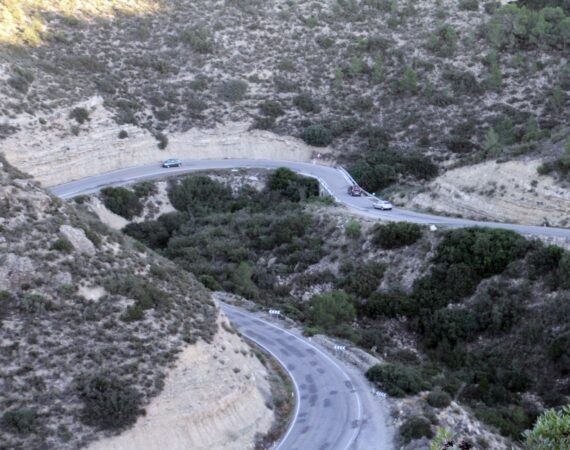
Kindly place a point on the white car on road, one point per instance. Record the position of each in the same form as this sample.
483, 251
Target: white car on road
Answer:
383, 205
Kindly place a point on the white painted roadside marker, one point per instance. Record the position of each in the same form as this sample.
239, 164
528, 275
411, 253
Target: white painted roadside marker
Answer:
340, 347
274, 312
380, 394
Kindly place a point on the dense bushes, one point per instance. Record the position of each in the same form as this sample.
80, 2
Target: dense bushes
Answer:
81, 115
62, 245
200, 195
396, 379
329, 311
444, 41
145, 295
380, 166
224, 237
438, 398
122, 201
22, 421
317, 135
414, 428
291, 186
516, 28
487, 251
306, 103
396, 234
551, 431
233, 90
362, 279
108, 403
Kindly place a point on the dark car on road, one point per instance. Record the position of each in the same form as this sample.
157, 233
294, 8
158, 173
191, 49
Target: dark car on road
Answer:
171, 163
355, 191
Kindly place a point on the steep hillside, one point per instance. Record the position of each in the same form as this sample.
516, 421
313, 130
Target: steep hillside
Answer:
471, 324
91, 324
390, 85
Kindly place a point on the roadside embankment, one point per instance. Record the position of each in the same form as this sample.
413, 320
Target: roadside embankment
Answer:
60, 150
215, 397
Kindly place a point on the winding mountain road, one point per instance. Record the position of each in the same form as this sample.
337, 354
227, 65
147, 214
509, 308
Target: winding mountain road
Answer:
336, 409
333, 180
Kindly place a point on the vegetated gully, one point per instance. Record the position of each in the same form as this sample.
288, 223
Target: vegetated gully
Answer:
335, 406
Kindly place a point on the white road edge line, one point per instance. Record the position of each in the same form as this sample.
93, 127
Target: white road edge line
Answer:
297, 392
331, 361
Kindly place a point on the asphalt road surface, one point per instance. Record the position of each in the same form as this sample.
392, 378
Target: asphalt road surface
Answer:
336, 409
331, 178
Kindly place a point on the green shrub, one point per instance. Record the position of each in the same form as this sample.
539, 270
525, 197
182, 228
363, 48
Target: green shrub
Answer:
162, 140
510, 421
122, 201
462, 82
488, 251
317, 135
363, 279
145, 189
242, 281
353, 229
271, 108
386, 304
22, 421
438, 398
397, 380
444, 41
469, 5
551, 431
198, 39
133, 313
152, 233
233, 90
32, 303
81, 115
330, 310
291, 186
108, 402
200, 195
306, 103
123, 134
92, 236
514, 28
450, 324
416, 427
62, 245
263, 123
210, 282
407, 82
21, 80
396, 234
559, 351
380, 166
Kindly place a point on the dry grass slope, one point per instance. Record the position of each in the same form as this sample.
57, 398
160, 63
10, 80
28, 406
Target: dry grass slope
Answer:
85, 315
23, 21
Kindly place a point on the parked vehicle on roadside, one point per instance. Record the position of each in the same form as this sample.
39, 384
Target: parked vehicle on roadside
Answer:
171, 163
355, 191
383, 205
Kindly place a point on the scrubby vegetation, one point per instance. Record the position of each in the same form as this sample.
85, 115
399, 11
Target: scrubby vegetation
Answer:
469, 305
88, 323
450, 84
121, 201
